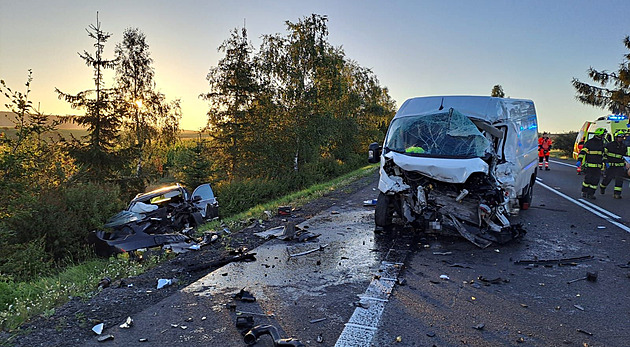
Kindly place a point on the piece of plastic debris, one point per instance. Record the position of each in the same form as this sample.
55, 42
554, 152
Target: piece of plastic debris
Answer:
371, 202
442, 253
579, 307
163, 282
143, 340
398, 338
195, 247
127, 324
104, 283
98, 328
320, 339
284, 210
204, 318
601, 227
105, 337
590, 276
584, 332
444, 277
431, 334
244, 295
401, 281
479, 326
317, 320
244, 322
183, 327
174, 325
524, 305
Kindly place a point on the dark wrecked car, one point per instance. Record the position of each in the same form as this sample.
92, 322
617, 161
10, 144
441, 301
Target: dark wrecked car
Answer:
458, 164
165, 216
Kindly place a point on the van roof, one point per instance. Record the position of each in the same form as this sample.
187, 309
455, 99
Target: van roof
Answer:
486, 108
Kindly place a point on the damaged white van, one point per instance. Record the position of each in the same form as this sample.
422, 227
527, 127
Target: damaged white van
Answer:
458, 164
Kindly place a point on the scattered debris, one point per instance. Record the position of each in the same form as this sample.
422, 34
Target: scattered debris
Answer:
255, 314
105, 338
590, 276
479, 326
104, 283
143, 340
284, 210
252, 336
398, 338
601, 227
127, 324
431, 334
371, 202
444, 277
223, 261
244, 295
561, 261
163, 282
401, 281
244, 322
320, 248
584, 332
442, 253
334, 212
320, 338
98, 328
579, 307
497, 280
317, 320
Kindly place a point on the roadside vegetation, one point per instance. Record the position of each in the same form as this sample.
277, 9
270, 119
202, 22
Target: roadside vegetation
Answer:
289, 115
20, 301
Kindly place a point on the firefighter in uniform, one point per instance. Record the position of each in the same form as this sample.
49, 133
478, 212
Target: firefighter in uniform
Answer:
544, 146
613, 156
591, 160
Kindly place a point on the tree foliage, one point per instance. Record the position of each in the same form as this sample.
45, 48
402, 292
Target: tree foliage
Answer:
612, 89
96, 155
497, 91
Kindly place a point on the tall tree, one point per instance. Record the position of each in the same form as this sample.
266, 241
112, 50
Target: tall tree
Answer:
140, 104
233, 87
97, 155
497, 91
613, 90
291, 65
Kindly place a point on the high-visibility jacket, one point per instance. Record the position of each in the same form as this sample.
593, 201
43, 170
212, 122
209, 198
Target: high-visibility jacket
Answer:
614, 152
592, 154
544, 146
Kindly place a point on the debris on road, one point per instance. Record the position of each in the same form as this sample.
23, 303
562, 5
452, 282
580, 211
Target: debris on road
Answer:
104, 283
105, 338
320, 248
244, 295
444, 277
284, 210
497, 280
313, 321
584, 332
371, 202
479, 326
252, 336
561, 261
442, 253
255, 314
164, 282
590, 276
244, 323
127, 324
579, 307
224, 261
98, 328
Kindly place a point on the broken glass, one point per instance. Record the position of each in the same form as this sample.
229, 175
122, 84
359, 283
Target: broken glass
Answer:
448, 134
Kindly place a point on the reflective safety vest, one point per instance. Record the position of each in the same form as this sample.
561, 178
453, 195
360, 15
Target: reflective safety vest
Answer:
544, 146
592, 154
614, 152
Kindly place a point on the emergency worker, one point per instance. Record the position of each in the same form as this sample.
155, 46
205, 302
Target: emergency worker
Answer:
615, 164
544, 146
591, 160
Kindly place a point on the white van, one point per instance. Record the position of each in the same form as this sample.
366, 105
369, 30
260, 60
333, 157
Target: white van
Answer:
461, 163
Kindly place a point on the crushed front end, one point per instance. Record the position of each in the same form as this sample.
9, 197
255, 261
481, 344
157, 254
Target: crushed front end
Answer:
438, 175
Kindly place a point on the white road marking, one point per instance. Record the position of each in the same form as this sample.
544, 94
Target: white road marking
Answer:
600, 212
363, 325
561, 163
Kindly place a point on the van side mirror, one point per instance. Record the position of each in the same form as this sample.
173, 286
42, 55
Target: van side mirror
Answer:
374, 153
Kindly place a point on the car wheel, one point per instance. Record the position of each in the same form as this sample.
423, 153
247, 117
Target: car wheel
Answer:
383, 211
528, 193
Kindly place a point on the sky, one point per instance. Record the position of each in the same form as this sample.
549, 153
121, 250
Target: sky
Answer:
531, 48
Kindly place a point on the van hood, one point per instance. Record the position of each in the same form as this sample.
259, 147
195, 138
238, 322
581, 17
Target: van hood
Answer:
441, 169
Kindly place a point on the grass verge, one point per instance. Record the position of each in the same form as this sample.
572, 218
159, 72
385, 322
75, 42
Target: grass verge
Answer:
24, 300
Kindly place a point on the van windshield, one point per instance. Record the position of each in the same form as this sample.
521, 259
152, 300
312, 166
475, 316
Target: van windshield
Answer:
447, 134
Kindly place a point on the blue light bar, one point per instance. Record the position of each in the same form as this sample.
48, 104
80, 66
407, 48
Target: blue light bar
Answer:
617, 117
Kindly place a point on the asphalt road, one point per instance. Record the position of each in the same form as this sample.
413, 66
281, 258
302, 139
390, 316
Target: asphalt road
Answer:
350, 287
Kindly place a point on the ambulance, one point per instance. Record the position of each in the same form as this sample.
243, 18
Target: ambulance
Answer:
612, 123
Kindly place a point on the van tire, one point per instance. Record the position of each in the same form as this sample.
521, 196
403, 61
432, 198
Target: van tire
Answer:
528, 192
383, 211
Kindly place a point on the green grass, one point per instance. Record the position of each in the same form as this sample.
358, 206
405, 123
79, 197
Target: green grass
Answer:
23, 300
19, 301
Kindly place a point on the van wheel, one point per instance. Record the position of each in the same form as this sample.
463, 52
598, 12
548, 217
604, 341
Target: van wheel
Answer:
528, 192
382, 211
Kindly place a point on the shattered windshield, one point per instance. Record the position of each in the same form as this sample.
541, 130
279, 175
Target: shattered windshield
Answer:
446, 134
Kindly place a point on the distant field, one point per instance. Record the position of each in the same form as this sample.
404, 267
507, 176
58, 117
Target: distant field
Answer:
66, 133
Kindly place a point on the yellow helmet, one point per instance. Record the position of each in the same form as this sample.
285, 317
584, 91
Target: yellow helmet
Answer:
620, 133
599, 131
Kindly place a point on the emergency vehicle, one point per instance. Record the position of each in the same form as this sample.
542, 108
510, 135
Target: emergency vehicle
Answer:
612, 123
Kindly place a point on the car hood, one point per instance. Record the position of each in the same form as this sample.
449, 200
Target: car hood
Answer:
441, 169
